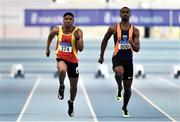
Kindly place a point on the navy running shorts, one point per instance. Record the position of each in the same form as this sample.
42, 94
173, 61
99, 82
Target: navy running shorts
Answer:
126, 64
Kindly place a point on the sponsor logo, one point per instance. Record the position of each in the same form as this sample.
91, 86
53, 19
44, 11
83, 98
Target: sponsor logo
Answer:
130, 77
77, 70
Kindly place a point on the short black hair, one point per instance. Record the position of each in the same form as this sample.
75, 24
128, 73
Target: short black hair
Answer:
68, 13
125, 8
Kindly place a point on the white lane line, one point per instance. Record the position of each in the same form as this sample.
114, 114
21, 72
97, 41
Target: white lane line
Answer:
88, 100
28, 99
153, 104
167, 82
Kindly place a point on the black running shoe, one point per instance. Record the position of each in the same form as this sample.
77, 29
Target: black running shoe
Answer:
61, 92
118, 95
70, 108
125, 112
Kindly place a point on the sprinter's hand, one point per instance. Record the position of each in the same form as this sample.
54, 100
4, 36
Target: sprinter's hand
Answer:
130, 42
101, 59
47, 52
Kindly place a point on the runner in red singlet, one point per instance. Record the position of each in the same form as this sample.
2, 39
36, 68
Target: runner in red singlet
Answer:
69, 42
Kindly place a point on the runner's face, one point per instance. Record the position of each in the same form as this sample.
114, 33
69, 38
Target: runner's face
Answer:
125, 14
68, 21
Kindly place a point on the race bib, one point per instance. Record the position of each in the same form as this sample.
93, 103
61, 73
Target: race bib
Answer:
124, 45
66, 47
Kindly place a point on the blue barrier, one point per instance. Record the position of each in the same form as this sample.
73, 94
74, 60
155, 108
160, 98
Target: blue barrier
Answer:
91, 17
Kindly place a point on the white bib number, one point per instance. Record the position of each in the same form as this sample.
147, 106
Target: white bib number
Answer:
124, 46
66, 48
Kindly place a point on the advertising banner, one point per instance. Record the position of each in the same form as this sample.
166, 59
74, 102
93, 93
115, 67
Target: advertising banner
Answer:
92, 17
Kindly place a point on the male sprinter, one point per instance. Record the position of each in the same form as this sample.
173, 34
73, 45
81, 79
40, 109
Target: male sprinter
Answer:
126, 40
70, 40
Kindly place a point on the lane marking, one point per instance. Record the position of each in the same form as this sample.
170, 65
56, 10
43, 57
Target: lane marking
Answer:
88, 99
167, 81
28, 99
153, 104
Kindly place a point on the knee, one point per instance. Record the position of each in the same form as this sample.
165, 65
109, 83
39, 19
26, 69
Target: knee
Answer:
119, 71
61, 70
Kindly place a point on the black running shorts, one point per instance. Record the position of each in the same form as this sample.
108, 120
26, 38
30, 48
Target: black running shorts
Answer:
126, 64
72, 68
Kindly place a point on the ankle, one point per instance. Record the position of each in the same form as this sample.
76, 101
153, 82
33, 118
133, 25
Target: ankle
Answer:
72, 101
124, 108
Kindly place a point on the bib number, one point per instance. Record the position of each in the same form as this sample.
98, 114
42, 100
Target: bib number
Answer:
66, 47
124, 46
